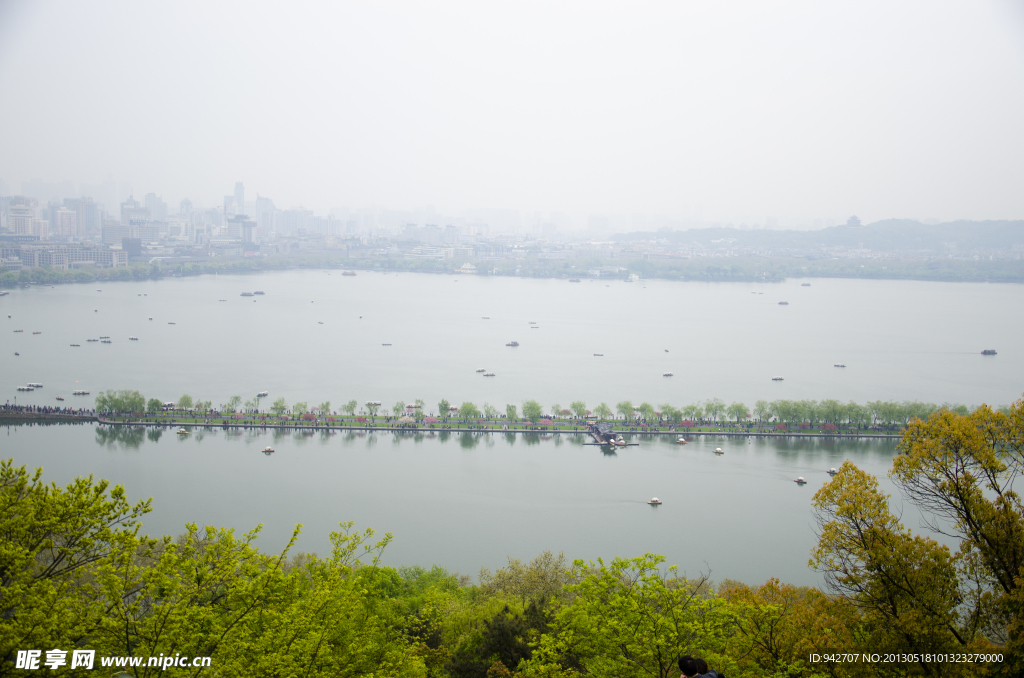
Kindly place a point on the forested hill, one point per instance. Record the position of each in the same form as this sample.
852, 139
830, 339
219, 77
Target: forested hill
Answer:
887, 235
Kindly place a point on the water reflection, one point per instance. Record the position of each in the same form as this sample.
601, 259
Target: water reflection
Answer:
154, 434
127, 437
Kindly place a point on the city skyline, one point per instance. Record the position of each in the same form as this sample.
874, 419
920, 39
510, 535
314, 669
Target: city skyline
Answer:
722, 113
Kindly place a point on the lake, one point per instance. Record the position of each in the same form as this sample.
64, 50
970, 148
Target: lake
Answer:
899, 340
469, 501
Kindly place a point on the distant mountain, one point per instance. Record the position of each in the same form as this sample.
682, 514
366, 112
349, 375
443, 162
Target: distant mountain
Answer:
887, 235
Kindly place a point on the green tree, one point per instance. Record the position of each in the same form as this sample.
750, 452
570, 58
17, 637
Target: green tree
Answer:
672, 414
300, 408
469, 411
56, 543
714, 408
625, 410
398, 408
153, 405
510, 412
325, 408
371, 407
349, 408
738, 411
279, 407
203, 406
532, 411
185, 402
233, 403
490, 412
629, 619
579, 409
603, 412
693, 412
647, 411
444, 409
905, 586
762, 410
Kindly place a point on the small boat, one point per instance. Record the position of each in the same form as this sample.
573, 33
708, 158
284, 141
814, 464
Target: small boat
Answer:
680, 440
37, 333
259, 293
482, 369
16, 331
34, 384
151, 318
262, 394
783, 303
76, 344
168, 323
535, 327
25, 388
486, 317
60, 399
805, 284
79, 393
182, 432
654, 501
489, 374
106, 341
599, 355
988, 351
667, 374
832, 471
666, 350
246, 294
133, 338
105, 336
217, 300
800, 480
319, 322
777, 379
268, 450
532, 322
88, 340
574, 280
348, 272
16, 353
385, 344
718, 450
512, 343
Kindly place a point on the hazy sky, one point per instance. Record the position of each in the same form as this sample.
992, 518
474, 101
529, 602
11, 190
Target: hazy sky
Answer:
883, 109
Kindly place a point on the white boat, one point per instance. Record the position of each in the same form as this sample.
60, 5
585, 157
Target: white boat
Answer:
35, 384
667, 374
718, 450
268, 450
182, 432
680, 440
25, 388
800, 480
832, 471
654, 501
262, 394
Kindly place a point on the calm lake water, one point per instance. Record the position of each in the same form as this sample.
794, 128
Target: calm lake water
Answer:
900, 340
469, 501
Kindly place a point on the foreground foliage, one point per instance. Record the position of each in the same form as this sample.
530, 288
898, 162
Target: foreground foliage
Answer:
75, 572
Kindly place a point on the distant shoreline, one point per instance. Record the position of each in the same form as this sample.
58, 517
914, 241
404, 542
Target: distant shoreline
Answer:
699, 269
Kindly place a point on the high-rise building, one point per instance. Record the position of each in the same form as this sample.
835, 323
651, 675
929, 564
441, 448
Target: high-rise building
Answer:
185, 208
133, 214
229, 206
20, 215
156, 206
239, 198
64, 223
87, 215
